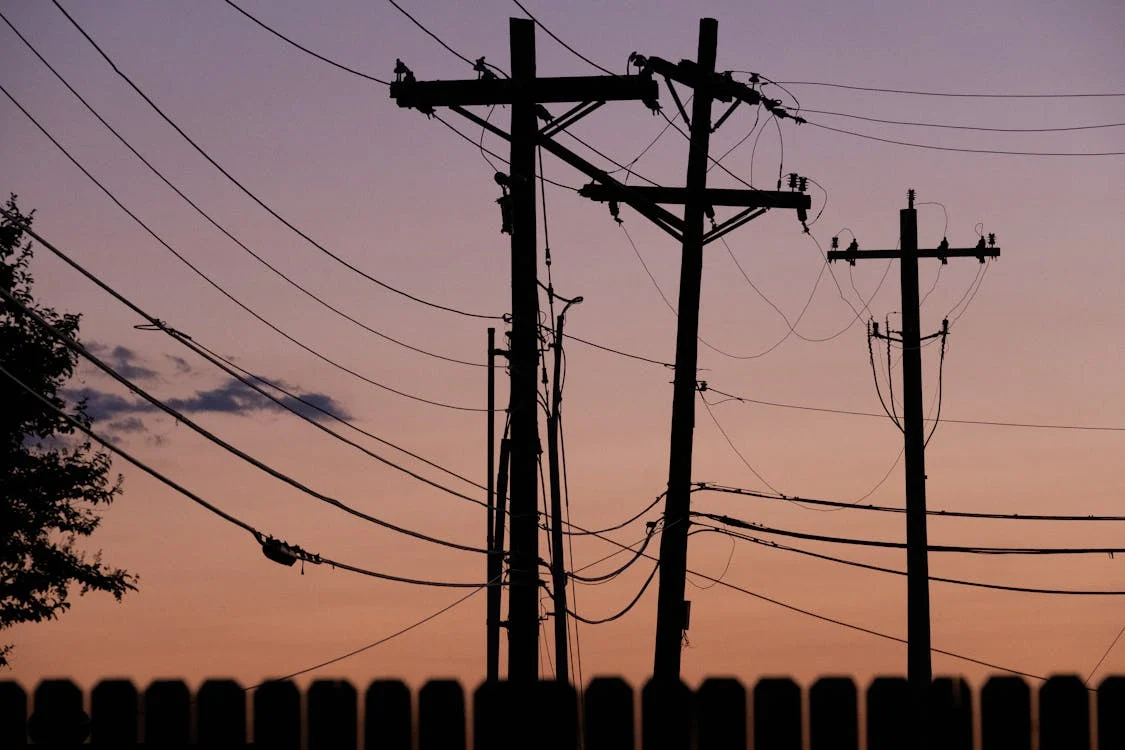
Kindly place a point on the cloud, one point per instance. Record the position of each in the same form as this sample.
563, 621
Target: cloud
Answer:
125, 360
124, 415
181, 364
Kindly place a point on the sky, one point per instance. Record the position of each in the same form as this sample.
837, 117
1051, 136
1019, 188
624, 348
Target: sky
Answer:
1036, 339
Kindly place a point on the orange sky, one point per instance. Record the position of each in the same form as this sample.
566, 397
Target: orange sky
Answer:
407, 201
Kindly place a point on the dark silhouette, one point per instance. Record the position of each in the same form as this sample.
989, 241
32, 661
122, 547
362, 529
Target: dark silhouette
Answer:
50, 481
722, 714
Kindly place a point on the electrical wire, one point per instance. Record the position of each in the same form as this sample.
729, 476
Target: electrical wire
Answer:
968, 127
889, 411
932, 147
221, 228
621, 613
946, 420
179, 256
248, 379
373, 644
834, 620
733, 447
306, 50
712, 487
1097, 666
1067, 95
604, 577
252, 195
431, 34
880, 569
260, 536
566, 46
181, 418
979, 550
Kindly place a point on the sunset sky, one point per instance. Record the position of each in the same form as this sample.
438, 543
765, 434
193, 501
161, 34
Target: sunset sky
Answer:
407, 201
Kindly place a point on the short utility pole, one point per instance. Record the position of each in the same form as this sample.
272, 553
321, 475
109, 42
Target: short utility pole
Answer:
919, 673
699, 203
526, 94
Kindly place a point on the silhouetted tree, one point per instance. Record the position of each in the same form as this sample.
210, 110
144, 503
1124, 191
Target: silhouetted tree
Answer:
52, 480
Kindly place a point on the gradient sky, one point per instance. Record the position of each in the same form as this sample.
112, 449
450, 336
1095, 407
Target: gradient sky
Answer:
406, 200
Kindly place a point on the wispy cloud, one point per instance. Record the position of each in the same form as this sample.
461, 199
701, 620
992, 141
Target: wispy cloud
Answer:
124, 415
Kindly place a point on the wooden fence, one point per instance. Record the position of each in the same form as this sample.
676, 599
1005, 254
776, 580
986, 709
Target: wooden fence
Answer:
721, 715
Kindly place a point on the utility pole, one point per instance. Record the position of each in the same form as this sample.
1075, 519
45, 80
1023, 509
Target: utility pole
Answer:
699, 203
919, 673
493, 622
525, 92
558, 567
494, 562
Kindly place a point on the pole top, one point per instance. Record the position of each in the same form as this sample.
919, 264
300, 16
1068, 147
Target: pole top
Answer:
910, 198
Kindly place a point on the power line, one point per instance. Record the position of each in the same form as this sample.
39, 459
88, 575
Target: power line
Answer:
221, 228
880, 569
710, 487
946, 420
566, 46
832, 620
977, 550
960, 149
1094, 671
219, 287
247, 377
1067, 95
253, 196
733, 447
81, 350
260, 536
306, 50
967, 127
430, 34
373, 644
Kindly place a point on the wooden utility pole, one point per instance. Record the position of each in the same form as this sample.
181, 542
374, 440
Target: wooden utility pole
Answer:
919, 673
698, 202
525, 93
671, 609
558, 567
494, 563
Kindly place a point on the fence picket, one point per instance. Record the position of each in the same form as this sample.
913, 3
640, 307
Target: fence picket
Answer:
720, 714
777, 714
608, 710
833, 714
58, 717
441, 716
277, 715
387, 723
887, 710
114, 714
1064, 714
13, 714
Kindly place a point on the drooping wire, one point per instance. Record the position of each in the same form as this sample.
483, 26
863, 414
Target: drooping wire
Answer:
894, 571
733, 447
373, 644
181, 418
889, 411
250, 194
219, 287
940, 382
319, 300
259, 536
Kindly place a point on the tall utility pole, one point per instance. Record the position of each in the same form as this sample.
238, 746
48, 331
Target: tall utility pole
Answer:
525, 93
671, 609
919, 674
698, 202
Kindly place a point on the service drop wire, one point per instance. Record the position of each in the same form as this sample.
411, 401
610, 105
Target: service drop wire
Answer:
81, 350
259, 536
